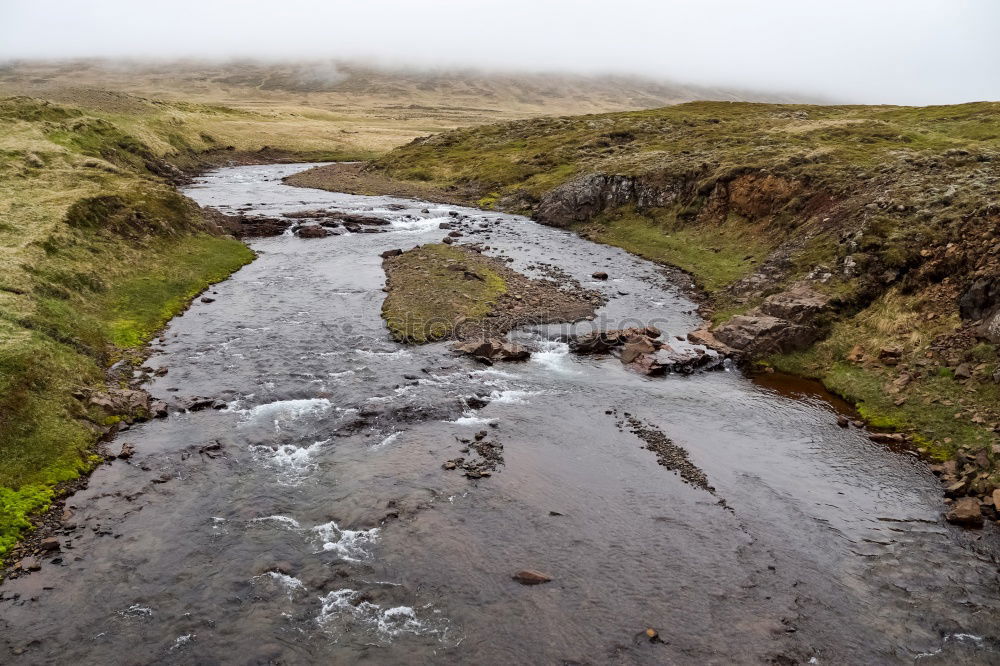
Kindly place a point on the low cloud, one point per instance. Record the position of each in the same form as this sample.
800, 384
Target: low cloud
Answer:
884, 51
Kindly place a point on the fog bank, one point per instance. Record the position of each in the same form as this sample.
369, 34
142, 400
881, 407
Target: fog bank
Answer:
887, 51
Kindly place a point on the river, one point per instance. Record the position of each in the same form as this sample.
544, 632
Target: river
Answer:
311, 521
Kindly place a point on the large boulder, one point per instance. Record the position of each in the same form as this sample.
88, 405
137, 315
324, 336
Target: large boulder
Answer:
799, 305
966, 512
784, 322
758, 335
981, 299
490, 350
637, 346
123, 401
991, 328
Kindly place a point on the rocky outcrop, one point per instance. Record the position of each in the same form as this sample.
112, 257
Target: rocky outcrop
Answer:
981, 302
991, 328
784, 322
981, 299
751, 195
581, 199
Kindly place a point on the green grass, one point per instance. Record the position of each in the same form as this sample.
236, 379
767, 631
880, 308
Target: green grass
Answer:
99, 254
428, 296
714, 254
141, 305
932, 398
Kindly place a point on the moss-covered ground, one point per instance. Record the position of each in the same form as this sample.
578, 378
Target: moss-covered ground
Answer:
435, 287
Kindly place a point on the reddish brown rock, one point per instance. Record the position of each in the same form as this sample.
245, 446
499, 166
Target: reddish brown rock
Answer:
531, 577
966, 512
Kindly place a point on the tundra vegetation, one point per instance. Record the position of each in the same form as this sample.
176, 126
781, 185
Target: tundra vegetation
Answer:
884, 217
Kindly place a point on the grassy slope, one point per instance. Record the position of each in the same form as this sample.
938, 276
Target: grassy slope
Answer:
99, 252
786, 192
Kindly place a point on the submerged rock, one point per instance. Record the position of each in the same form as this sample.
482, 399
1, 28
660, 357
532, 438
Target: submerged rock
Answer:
531, 577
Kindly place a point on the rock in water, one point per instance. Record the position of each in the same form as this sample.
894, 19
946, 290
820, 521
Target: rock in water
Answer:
312, 232
493, 350
966, 512
636, 347
531, 577
600, 275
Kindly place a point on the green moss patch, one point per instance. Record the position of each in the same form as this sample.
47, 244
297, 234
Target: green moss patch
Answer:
715, 254
434, 288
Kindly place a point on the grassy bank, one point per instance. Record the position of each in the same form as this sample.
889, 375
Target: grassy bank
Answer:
99, 252
886, 211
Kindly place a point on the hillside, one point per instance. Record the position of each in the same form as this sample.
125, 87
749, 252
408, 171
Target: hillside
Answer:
852, 244
439, 97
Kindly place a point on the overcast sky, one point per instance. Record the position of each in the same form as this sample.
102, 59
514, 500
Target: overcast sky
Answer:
888, 51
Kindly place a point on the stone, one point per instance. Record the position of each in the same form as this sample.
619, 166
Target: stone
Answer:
531, 577
158, 409
799, 305
599, 275
963, 371
648, 365
30, 564
635, 348
966, 512
843, 421
890, 355
312, 231
391, 253
50, 544
128, 450
856, 355
887, 437
493, 350
122, 401
196, 403
764, 334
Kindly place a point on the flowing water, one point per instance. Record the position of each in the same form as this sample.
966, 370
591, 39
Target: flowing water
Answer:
311, 521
